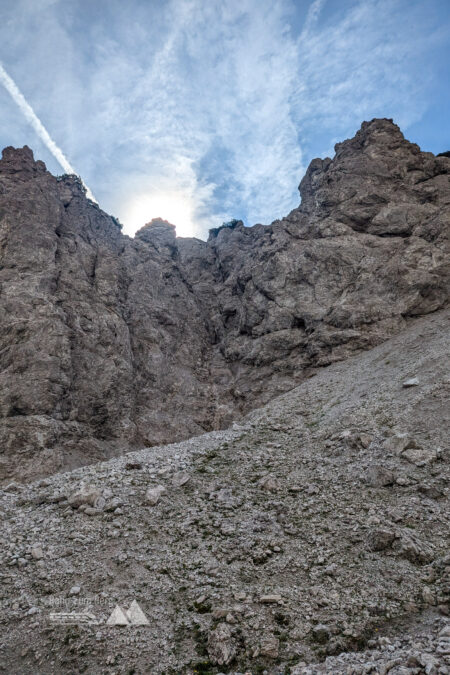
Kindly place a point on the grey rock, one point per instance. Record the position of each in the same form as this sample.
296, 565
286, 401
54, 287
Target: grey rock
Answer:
379, 476
413, 549
270, 646
221, 645
138, 342
321, 633
37, 553
270, 598
153, 495
411, 382
420, 456
87, 495
399, 442
180, 478
269, 483
381, 539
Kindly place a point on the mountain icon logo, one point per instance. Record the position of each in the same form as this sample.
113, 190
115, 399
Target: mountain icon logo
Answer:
134, 616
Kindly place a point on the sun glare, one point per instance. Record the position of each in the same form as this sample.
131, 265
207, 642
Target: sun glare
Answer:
172, 206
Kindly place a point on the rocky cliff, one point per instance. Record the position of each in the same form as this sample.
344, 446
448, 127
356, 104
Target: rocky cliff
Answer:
109, 343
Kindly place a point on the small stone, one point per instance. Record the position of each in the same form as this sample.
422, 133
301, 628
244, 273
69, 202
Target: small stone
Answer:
200, 600
85, 495
321, 633
269, 647
100, 503
152, 496
12, 487
410, 547
219, 613
113, 504
429, 663
386, 667
240, 597
365, 440
398, 442
133, 465
379, 476
428, 596
37, 553
420, 456
373, 520
430, 491
181, 478
268, 599
221, 647
75, 590
411, 382
227, 529
331, 570
411, 607
269, 483
381, 539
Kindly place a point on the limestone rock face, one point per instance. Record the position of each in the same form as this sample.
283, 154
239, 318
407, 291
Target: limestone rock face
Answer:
109, 343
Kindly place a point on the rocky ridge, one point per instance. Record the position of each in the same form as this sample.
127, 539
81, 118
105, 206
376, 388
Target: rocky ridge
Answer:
109, 343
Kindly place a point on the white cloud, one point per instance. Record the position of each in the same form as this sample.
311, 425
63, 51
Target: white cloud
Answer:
312, 17
361, 66
214, 103
216, 91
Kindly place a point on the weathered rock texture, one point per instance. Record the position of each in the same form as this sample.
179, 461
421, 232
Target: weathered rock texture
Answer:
109, 343
286, 544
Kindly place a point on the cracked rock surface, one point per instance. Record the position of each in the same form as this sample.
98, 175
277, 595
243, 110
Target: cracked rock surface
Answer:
109, 344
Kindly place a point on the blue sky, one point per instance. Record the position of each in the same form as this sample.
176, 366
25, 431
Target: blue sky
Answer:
202, 111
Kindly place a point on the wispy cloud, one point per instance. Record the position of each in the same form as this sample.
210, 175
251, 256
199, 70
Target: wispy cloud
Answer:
215, 99
364, 63
311, 18
215, 106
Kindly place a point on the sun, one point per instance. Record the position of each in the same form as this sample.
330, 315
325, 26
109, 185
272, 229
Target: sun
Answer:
173, 206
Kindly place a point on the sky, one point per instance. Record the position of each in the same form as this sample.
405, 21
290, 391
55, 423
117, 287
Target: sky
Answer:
200, 111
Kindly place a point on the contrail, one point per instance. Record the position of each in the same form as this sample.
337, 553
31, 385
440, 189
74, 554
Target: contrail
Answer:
37, 125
